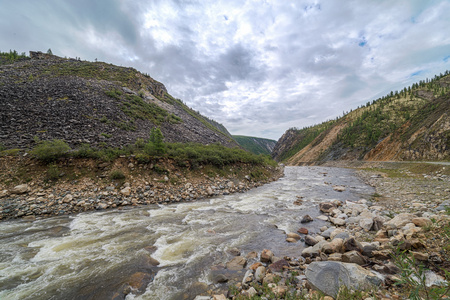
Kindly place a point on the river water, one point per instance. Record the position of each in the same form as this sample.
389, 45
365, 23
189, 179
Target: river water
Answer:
93, 255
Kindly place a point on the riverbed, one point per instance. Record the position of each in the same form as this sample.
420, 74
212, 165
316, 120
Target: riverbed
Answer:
98, 255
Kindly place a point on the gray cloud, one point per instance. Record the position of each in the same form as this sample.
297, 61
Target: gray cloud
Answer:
257, 67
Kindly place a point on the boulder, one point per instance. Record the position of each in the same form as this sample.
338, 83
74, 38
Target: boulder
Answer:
351, 244
310, 241
19, 189
266, 256
237, 263
353, 257
334, 246
67, 198
338, 221
278, 266
326, 207
421, 222
126, 191
260, 273
366, 224
329, 276
400, 220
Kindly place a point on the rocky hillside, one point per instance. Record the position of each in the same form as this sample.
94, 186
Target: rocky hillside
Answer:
46, 97
411, 124
255, 145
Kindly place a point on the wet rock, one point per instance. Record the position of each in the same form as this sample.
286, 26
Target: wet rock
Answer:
310, 241
326, 207
234, 251
266, 256
339, 188
306, 219
329, 276
251, 255
237, 263
293, 235
139, 281
255, 266
302, 230
279, 265
19, 189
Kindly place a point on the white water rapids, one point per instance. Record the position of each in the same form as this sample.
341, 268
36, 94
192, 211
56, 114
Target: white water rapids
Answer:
91, 255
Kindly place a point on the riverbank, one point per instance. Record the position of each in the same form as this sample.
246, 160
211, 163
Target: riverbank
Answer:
390, 246
29, 189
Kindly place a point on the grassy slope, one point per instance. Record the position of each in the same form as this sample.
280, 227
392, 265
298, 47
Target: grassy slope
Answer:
366, 126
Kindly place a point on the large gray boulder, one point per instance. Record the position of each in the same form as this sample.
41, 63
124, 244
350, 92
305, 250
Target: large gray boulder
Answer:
329, 276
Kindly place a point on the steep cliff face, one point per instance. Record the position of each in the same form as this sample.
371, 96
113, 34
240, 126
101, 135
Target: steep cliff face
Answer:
93, 102
255, 145
411, 125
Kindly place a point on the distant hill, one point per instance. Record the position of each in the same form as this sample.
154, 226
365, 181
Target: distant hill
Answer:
411, 124
45, 97
255, 145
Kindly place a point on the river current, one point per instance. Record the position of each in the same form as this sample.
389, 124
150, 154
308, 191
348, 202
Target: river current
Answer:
92, 255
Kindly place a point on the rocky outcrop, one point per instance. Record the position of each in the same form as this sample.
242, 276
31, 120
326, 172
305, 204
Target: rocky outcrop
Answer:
48, 97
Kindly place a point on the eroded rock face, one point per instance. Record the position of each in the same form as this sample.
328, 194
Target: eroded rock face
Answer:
329, 276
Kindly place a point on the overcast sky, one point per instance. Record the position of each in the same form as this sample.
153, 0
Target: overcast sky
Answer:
258, 67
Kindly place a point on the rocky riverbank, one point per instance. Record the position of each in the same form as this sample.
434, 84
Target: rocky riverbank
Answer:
83, 185
370, 249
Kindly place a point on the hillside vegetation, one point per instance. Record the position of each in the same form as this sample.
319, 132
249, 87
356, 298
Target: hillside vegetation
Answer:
45, 97
409, 124
255, 145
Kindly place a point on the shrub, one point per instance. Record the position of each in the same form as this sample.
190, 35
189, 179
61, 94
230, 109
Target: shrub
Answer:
48, 151
117, 175
85, 151
53, 172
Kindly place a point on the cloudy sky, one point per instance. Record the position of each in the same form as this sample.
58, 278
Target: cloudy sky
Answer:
258, 67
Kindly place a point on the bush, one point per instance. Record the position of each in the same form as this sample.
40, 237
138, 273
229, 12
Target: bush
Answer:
85, 151
48, 151
53, 173
117, 175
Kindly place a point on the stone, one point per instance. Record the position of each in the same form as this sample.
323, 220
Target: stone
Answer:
67, 198
377, 223
219, 297
278, 266
126, 191
310, 241
306, 219
353, 257
420, 256
326, 207
368, 248
266, 256
19, 189
260, 272
352, 244
421, 222
255, 266
251, 255
334, 246
237, 263
251, 292
338, 221
234, 251
366, 224
329, 276
248, 277
291, 240
339, 188
327, 233
4, 193
322, 218
293, 235
400, 220
335, 257
303, 230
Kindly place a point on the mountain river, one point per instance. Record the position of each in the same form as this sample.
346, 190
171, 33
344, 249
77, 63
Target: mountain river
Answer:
93, 255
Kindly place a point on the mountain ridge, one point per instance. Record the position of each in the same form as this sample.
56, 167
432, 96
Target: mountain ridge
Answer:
255, 145
410, 124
